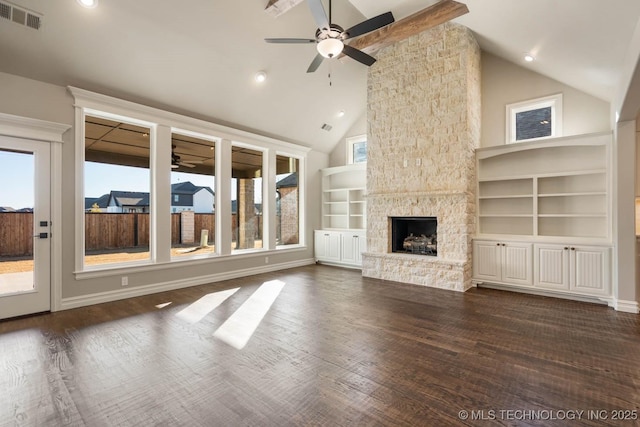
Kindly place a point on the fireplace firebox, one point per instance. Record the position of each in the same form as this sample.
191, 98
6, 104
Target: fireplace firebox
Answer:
414, 235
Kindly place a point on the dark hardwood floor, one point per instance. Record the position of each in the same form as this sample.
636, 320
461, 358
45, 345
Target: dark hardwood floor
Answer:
334, 349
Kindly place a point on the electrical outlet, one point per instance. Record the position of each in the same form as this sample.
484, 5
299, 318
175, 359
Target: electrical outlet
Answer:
405, 163
266, 260
125, 280
418, 162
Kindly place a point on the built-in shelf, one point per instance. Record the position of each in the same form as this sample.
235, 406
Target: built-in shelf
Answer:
545, 189
343, 197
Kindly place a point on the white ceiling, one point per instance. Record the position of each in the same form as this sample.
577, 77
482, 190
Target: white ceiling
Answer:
199, 57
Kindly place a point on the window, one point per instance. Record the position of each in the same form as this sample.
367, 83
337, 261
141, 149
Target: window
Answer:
535, 119
246, 198
116, 191
357, 149
146, 189
287, 201
192, 187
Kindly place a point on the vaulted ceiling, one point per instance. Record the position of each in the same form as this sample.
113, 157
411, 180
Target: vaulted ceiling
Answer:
199, 57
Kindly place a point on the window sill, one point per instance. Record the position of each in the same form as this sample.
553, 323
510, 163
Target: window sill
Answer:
137, 267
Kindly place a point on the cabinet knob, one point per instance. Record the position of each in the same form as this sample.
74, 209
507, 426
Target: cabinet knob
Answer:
497, 244
573, 249
566, 248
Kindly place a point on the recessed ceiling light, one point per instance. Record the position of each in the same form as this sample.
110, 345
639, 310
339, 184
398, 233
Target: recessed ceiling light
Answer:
529, 58
260, 76
341, 113
90, 4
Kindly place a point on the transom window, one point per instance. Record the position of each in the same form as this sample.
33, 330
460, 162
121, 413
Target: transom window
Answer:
534, 119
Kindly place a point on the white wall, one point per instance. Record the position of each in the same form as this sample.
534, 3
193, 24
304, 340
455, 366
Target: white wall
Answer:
504, 82
338, 156
203, 202
33, 99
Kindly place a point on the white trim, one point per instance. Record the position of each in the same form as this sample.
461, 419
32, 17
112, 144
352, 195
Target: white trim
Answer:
553, 101
24, 127
351, 141
102, 297
625, 306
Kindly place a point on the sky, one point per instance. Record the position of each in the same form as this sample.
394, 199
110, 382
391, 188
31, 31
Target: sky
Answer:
17, 176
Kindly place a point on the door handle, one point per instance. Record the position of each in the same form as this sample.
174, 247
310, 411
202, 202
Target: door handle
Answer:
42, 235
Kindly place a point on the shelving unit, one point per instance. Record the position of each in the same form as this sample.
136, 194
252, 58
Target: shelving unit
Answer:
545, 207
546, 189
343, 197
342, 238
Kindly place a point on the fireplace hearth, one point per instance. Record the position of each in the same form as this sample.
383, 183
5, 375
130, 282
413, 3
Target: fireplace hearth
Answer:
414, 235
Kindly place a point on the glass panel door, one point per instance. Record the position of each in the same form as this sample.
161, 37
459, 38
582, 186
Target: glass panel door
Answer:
24, 227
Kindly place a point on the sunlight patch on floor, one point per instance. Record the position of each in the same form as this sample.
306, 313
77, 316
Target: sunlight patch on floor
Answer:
163, 305
238, 329
205, 305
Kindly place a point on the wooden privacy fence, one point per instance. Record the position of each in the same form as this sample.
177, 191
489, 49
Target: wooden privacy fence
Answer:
16, 234
102, 231
115, 230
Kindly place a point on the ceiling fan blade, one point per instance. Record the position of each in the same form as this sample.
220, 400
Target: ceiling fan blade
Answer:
370, 25
315, 63
319, 15
187, 165
358, 55
284, 40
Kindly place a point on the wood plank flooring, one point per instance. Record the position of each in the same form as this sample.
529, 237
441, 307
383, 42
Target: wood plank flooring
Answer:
334, 349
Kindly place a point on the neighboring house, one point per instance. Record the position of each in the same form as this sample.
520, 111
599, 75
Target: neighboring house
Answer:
185, 196
6, 209
128, 201
96, 204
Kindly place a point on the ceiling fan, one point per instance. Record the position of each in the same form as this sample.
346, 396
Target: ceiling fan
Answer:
330, 37
176, 161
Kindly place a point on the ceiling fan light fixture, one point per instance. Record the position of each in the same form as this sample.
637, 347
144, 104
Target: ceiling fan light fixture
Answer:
330, 47
529, 58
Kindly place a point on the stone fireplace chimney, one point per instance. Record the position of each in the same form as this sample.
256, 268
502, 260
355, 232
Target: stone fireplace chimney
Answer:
424, 126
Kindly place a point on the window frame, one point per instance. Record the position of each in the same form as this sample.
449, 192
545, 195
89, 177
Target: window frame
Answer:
162, 124
350, 143
553, 101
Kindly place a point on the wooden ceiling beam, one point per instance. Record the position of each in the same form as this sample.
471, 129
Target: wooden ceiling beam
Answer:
420, 21
276, 8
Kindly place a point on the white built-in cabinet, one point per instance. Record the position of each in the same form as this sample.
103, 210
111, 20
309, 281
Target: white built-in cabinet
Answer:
509, 262
342, 238
544, 215
573, 268
340, 247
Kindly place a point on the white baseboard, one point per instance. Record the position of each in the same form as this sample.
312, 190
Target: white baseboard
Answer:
102, 297
625, 306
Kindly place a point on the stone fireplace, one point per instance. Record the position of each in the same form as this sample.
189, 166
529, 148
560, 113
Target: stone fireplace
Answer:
424, 125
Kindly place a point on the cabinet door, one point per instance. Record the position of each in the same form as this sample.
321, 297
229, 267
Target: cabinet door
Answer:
349, 247
362, 247
327, 245
352, 247
517, 263
590, 270
552, 266
486, 260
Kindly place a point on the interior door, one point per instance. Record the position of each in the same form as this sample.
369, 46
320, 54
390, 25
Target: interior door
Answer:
25, 250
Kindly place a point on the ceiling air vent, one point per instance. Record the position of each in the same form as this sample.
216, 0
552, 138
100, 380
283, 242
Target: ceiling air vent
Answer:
20, 15
326, 127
